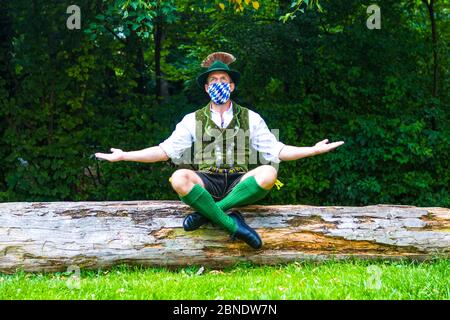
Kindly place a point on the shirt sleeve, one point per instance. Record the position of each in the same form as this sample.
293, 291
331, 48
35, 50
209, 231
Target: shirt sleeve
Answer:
181, 138
264, 140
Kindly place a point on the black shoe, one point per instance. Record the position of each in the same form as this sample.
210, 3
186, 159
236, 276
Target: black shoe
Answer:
194, 221
245, 233
236, 214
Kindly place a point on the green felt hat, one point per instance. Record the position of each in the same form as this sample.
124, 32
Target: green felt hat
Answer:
218, 65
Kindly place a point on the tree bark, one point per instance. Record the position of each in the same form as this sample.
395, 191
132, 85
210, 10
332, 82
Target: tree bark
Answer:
158, 34
136, 52
161, 90
6, 48
140, 68
51, 236
434, 39
10, 85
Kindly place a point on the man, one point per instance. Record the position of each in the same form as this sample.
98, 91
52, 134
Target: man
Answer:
223, 133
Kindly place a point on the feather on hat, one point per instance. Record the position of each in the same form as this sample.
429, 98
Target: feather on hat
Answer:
218, 61
225, 57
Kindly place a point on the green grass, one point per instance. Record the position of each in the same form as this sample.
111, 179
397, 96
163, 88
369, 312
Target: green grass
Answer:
355, 279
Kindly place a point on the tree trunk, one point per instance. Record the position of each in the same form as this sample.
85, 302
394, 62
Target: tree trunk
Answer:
140, 68
136, 52
430, 6
7, 90
162, 90
51, 236
6, 48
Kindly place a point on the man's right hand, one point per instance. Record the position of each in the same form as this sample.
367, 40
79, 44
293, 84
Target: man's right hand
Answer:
116, 155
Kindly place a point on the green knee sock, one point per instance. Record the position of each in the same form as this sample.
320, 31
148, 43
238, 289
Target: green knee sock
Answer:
200, 199
245, 192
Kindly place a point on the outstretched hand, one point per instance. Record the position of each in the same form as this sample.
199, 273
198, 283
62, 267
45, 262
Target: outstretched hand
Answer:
323, 146
116, 155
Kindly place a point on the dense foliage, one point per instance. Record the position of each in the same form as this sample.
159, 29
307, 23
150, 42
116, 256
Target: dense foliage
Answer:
127, 76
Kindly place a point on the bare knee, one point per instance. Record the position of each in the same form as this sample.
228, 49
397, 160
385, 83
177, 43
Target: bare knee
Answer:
267, 176
183, 180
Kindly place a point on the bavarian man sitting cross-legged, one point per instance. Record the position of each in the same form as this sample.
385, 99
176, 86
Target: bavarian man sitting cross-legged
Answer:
222, 181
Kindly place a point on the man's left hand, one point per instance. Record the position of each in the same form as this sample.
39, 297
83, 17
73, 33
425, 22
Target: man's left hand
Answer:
323, 146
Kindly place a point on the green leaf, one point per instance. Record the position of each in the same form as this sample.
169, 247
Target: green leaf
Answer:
296, 3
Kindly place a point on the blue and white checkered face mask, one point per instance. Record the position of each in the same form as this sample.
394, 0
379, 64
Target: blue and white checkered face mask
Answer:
219, 92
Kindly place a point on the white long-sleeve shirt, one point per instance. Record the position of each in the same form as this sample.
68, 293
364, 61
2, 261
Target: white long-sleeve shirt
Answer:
261, 138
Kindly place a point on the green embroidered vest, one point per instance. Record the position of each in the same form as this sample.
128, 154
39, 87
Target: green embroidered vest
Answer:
222, 148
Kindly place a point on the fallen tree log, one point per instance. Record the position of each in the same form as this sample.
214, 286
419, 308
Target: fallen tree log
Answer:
51, 236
